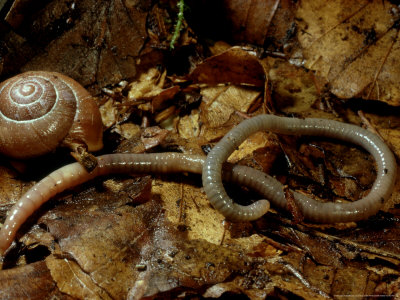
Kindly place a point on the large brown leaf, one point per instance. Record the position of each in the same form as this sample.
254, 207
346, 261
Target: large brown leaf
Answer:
354, 45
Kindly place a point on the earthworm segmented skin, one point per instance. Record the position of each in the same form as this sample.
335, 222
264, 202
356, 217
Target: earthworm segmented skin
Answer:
311, 209
74, 174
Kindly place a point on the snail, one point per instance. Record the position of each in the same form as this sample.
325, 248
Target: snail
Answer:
42, 110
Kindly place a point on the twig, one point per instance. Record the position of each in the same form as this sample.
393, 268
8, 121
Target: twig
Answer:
178, 25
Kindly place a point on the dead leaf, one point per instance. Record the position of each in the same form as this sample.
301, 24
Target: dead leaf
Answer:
34, 281
354, 46
221, 102
235, 66
251, 19
73, 281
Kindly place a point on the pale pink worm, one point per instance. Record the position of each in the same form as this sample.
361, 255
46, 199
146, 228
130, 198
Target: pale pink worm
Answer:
74, 174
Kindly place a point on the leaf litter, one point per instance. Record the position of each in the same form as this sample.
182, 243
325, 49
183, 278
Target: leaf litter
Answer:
158, 237
354, 47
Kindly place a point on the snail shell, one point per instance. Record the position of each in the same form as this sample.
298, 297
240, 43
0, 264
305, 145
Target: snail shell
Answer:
41, 110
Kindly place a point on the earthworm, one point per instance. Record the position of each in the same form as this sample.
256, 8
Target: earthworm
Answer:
312, 210
74, 174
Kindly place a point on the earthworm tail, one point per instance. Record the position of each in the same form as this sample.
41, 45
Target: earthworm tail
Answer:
311, 209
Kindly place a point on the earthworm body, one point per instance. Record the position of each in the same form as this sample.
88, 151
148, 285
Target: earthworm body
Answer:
212, 167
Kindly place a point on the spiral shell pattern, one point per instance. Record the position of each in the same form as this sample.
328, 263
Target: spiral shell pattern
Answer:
37, 110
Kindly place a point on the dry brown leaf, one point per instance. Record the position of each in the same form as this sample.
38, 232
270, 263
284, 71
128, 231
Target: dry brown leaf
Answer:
255, 142
32, 281
354, 45
149, 92
251, 19
189, 126
148, 85
221, 102
235, 66
73, 281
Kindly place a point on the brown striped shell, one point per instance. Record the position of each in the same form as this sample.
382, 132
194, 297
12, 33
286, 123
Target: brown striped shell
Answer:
40, 110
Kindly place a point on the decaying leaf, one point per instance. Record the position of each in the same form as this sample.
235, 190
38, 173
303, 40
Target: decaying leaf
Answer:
354, 45
254, 16
34, 282
232, 66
